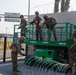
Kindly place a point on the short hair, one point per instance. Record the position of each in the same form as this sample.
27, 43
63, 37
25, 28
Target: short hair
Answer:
36, 12
45, 16
21, 16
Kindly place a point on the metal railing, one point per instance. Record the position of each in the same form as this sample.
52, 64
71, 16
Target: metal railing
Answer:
63, 32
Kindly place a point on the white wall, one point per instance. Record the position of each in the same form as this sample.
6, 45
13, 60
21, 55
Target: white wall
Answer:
60, 17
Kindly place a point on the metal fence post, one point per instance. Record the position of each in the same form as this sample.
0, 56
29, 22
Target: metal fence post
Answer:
4, 53
26, 49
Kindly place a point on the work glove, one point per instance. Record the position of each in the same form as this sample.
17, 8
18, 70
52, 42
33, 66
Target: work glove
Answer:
22, 49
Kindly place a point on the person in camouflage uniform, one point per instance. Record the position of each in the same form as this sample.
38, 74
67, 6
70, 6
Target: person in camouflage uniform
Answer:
72, 61
50, 22
22, 26
16, 48
37, 20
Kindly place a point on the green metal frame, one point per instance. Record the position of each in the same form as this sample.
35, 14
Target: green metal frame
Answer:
46, 53
65, 29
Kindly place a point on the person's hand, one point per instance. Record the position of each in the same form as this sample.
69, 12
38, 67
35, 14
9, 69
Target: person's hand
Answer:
19, 27
22, 49
24, 54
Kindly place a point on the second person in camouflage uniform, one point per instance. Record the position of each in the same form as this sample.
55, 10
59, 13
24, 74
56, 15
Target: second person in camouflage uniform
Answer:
37, 20
72, 61
50, 22
16, 48
22, 26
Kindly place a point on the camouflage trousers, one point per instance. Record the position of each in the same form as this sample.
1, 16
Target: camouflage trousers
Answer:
74, 69
14, 60
23, 31
39, 34
54, 33
72, 61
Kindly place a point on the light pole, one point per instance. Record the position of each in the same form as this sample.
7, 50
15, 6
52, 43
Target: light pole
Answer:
6, 31
28, 8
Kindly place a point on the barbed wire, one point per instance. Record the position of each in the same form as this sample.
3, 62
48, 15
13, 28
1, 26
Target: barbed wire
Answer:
48, 8
44, 8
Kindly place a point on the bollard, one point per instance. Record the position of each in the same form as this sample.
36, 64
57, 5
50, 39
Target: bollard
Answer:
26, 49
4, 55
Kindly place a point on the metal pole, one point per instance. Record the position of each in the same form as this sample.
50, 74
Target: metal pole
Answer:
28, 8
28, 19
4, 55
26, 49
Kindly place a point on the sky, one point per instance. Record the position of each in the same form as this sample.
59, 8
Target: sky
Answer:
21, 6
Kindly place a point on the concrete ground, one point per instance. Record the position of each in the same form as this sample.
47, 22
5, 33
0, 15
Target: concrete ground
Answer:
6, 69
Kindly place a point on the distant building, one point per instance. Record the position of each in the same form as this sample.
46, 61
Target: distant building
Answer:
7, 35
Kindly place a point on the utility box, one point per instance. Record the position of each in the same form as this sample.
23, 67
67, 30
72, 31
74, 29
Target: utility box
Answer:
46, 53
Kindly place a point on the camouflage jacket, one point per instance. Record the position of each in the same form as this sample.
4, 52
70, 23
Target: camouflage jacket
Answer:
16, 47
73, 49
36, 20
50, 22
23, 23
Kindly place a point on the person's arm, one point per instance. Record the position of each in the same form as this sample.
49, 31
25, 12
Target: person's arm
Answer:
19, 50
44, 23
22, 23
40, 19
72, 50
19, 26
32, 21
22, 49
13, 44
54, 20
24, 20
